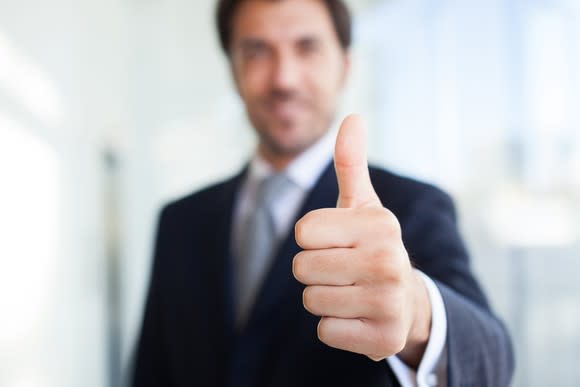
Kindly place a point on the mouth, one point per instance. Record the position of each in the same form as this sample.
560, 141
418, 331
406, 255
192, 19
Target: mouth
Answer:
286, 110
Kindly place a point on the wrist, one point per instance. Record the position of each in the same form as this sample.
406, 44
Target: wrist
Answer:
420, 329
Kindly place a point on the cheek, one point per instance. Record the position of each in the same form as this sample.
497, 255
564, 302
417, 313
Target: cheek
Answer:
253, 81
327, 82
324, 95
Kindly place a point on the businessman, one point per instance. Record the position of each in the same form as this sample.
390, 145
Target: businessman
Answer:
308, 268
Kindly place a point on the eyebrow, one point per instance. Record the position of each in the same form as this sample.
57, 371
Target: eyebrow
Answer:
310, 39
252, 42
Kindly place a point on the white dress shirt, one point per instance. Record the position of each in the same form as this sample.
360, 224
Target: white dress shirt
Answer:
304, 172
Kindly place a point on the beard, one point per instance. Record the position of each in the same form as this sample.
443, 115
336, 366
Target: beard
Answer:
288, 122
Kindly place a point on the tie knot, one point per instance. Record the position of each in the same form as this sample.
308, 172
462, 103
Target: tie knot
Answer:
271, 187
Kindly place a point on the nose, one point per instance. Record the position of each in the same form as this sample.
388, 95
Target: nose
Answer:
286, 72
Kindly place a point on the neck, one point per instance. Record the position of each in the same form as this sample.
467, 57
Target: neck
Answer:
278, 161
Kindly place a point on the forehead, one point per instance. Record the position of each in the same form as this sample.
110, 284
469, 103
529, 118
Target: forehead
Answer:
282, 20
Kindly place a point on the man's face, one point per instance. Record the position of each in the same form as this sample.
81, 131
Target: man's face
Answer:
289, 69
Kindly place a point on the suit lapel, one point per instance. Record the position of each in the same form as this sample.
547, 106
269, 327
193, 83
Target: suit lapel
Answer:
280, 282
220, 272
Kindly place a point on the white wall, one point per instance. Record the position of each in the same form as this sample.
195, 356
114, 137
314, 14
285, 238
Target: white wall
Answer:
61, 64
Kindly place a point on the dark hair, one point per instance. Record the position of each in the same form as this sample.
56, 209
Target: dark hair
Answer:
339, 14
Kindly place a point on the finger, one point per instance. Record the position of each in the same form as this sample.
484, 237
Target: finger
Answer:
336, 267
347, 302
350, 163
335, 301
360, 336
346, 227
344, 266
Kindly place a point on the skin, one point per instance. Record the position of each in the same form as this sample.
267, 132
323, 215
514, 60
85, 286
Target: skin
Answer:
290, 69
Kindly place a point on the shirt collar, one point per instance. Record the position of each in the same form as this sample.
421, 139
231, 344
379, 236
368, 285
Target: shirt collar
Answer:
303, 171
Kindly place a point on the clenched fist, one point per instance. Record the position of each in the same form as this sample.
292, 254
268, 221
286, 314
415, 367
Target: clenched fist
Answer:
358, 274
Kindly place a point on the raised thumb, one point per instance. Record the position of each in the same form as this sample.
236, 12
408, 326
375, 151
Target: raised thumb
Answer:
351, 165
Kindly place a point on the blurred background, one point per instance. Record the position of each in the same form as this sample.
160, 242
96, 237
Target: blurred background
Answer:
110, 108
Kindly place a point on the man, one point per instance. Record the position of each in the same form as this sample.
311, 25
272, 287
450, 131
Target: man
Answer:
300, 271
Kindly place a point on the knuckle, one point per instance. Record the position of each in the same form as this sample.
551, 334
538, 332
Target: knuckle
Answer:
378, 302
397, 303
399, 340
396, 276
401, 265
383, 341
391, 341
386, 221
381, 264
386, 302
381, 253
387, 264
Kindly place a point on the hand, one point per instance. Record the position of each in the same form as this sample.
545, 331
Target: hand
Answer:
358, 274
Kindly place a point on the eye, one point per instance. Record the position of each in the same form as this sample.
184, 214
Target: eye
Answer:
254, 50
308, 46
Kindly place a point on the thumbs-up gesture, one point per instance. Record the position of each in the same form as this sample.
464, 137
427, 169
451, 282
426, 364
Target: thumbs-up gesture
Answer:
358, 274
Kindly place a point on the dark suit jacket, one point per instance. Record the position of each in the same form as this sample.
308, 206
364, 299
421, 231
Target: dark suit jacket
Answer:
188, 337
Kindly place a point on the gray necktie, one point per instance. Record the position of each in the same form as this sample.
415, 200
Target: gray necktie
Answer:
257, 245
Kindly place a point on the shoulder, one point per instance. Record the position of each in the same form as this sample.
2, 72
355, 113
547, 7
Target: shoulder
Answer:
200, 198
202, 202
407, 197
397, 188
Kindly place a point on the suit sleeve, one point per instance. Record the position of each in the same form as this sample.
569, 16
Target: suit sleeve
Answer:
478, 346
150, 358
